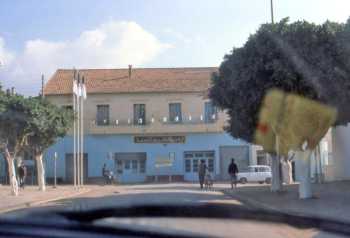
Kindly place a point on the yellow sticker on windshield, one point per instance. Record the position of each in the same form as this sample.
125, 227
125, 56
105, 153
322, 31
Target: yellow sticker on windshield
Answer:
295, 119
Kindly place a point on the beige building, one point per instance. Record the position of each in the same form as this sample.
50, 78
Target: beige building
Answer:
147, 124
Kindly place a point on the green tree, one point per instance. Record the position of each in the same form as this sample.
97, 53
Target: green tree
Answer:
13, 131
302, 58
47, 122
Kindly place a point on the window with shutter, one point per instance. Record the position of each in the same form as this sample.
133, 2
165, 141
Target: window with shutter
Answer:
139, 114
102, 117
175, 114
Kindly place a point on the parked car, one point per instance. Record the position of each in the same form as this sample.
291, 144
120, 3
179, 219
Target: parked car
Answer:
255, 173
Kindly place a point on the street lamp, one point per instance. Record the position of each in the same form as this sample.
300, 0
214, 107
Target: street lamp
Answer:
55, 169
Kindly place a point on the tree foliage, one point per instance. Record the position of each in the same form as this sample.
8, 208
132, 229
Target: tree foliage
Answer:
303, 58
30, 124
47, 122
33, 122
14, 112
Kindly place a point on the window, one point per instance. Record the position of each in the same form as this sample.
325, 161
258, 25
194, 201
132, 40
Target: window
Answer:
264, 169
175, 115
119, 167
102, 117
188, 155
211, 165
188, 165
195, 165
210, 154
261, 157
139, 114
127, 164
142, 166
134, 166
210, 112
193, 158
199, 155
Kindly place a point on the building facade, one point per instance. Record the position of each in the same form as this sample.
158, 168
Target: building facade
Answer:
146, 125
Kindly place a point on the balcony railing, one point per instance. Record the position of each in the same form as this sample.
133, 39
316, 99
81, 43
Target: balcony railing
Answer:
157, 125
190, 120
164, 120
121, 122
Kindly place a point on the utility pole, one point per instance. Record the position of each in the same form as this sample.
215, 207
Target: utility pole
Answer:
272, 20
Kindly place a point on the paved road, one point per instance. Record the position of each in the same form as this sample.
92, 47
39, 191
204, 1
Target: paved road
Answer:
112, 196
105, 196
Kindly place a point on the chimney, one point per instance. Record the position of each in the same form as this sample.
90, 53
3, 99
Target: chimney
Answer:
130, 67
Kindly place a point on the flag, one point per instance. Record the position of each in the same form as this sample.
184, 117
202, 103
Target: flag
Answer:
84, 91
75, 87
79, 90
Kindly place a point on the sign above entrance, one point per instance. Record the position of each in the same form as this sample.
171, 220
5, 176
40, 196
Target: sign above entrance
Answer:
160, 139
163, 161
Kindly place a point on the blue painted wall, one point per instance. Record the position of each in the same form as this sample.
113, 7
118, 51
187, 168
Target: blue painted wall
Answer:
98, 147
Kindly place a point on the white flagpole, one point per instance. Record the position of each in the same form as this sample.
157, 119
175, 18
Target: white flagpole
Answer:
78, 132
74, 134
82, 132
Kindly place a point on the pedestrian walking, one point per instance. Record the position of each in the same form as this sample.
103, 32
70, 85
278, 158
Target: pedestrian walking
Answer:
233, 170
201, 173
22, 173
110, 177
19, 174
105, 174
208, 180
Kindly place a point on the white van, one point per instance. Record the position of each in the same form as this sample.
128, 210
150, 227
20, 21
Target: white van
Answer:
255, 173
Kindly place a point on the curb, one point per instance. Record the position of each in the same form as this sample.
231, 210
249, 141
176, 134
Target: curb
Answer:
36, 203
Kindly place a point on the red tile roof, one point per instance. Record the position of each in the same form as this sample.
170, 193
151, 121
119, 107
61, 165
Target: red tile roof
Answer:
142, 80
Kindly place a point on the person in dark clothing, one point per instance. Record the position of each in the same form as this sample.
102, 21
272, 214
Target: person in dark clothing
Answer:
201, 172
105, 174
233, 170
22, 173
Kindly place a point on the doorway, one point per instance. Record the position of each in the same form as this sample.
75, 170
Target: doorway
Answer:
130, 167
192, 161
70, 168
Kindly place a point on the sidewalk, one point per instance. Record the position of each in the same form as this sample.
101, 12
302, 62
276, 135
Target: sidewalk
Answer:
331, 199
31, 196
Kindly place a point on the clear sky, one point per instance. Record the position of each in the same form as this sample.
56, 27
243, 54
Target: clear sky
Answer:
40, 36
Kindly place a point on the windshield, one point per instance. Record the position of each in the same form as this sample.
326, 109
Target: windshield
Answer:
114, 104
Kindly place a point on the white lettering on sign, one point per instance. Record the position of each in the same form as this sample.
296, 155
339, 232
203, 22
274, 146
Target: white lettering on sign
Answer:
160, 139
